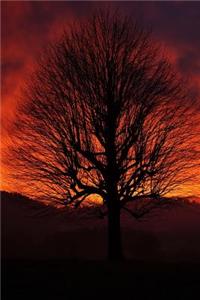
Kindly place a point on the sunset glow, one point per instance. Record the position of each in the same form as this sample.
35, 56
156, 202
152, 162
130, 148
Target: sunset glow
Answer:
28, 26
100, 149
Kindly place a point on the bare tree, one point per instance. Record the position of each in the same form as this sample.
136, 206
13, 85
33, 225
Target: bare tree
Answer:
104, 114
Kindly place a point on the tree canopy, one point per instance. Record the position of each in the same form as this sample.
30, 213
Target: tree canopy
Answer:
104, 114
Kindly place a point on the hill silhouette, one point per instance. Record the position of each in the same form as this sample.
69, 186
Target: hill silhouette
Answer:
31, 229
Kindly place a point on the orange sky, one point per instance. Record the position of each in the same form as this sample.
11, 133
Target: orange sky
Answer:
28, 26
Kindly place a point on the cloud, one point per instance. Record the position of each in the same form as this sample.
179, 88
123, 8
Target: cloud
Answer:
26, 29
27, 26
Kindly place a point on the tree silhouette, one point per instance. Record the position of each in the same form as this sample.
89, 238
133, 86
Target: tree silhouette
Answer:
104, 114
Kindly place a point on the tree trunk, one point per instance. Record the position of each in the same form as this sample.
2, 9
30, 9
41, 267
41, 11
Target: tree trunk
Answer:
112, 174
114, 231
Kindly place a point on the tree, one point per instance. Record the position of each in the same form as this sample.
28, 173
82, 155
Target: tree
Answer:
104, 114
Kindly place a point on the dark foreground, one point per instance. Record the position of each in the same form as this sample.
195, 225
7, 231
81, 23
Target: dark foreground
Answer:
99, 280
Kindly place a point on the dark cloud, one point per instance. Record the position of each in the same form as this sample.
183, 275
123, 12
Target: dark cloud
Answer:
28, 25
189, 62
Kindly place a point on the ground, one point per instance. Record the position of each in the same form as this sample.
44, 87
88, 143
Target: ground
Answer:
62, 255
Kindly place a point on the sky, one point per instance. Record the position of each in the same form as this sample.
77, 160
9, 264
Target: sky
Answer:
27, 27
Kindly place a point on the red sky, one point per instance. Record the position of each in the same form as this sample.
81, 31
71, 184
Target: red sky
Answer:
28, 25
